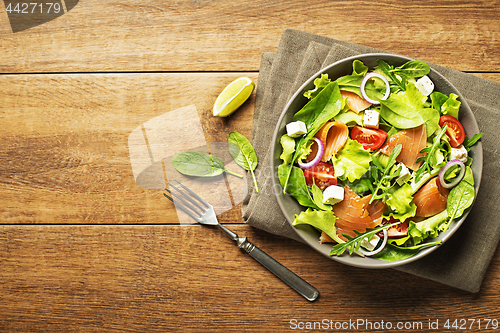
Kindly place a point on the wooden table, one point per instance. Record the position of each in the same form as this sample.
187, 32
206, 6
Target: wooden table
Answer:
84, 249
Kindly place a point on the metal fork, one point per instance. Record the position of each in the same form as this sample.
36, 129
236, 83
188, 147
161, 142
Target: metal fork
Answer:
202, 212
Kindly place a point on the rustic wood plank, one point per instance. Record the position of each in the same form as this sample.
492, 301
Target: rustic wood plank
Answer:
156, 35
64, 149
193, 278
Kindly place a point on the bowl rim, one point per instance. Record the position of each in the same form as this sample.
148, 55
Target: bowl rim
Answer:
373, 262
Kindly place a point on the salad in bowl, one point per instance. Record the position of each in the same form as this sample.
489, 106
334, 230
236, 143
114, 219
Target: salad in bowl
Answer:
378, 158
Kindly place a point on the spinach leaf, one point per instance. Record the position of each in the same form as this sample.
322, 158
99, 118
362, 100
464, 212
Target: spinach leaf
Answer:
193, 163
412, 69
393, 252
461, 196
326, 105
296, 186
243, 154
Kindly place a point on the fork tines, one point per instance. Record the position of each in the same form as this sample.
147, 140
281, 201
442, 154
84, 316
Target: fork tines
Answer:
185, 199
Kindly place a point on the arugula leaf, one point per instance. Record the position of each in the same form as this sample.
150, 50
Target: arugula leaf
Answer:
354, 243
193, 163
243, 154
429, 159
472, 141
352, 161
387, 69
392, 160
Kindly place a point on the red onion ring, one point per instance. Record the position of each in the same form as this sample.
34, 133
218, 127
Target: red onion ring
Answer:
316, 158
378, 249
457, 179
365, 80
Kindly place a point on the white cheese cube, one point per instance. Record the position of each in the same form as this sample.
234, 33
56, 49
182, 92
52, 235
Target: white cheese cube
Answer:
404, 175
296, 129
370, 244
371, 119
333, 194
459, 153
425, 85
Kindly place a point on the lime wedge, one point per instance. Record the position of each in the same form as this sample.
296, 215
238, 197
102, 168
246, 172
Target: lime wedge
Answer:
231, 98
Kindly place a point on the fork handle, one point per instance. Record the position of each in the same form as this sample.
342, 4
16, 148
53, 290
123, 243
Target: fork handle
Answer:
286, 275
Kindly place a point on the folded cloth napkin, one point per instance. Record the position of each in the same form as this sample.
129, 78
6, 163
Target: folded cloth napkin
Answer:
462, 261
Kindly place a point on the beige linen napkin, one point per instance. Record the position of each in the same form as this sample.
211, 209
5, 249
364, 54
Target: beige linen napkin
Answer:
462, 261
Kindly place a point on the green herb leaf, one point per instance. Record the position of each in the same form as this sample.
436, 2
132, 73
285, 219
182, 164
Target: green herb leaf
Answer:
413, 69
193, 163
354, 243
392, 160
243, 154
387, 69
431, 155
472, 141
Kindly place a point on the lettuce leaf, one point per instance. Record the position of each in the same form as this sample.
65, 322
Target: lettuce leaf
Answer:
288, 145
350, 118
400, 201
319, 83
427, 228
451, 106
407, 109
352, 161
320, 219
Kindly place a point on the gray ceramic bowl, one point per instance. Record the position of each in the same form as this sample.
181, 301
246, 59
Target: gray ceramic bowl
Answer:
289, 205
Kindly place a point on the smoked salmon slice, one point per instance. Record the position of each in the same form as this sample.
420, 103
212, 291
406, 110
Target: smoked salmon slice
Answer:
413, 141
355, 102
334, 135
431, 198
352, 214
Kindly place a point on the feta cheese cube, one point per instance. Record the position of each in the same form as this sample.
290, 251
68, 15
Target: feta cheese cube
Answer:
404, 175
370, 244
333, 194
296, 129
459, 153
371, 118
425, 85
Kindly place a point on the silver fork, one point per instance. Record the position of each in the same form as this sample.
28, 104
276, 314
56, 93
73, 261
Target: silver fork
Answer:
202, 212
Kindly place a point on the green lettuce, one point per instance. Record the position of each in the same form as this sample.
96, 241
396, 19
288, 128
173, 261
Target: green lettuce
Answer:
319, 83
288, 145
407, 109
429, 227
451, 106
350, 118
319, 219
400, 201
352, 161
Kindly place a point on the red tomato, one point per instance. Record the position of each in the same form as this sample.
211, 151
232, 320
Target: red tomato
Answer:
323, 174
370, 138
455, 130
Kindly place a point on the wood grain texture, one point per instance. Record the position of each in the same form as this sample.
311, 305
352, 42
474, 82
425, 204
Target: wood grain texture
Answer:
156, 35
64, 154
193, 278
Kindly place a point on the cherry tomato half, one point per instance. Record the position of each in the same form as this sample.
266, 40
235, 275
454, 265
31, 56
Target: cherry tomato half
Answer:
370, 138
455, 130
323, 174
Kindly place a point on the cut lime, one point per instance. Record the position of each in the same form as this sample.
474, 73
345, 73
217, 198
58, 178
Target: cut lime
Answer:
231, 98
